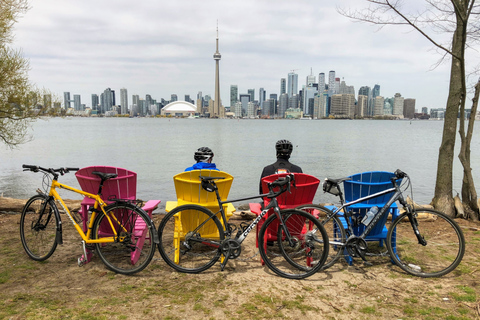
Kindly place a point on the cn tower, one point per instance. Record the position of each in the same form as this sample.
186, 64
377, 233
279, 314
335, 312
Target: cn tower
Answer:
217, 104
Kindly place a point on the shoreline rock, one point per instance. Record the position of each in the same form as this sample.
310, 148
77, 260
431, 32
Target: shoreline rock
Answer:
15, 206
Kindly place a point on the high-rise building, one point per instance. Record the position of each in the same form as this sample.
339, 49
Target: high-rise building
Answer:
251, 92
77, 104
107, 100
123, 101
244, 99
366, 91
331, 83
361, 109
321, 82
378, 106
375, 91
173, 97
95, 101
233, 95
320, 105
308, 99
261, 97
343, 105
199, 102
217, 106
409, 108
238, 109
398, 105
282, 105
66, 100
310, 79
283, 86
292, 84
425, 110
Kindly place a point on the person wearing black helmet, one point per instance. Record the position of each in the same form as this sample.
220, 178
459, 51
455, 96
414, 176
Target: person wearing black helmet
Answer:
204, 157
283, 149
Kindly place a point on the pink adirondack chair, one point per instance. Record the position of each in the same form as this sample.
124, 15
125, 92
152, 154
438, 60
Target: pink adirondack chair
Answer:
124, 186
306, 187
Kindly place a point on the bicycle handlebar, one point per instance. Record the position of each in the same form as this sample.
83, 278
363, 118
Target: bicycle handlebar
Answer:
281, 182
52, 171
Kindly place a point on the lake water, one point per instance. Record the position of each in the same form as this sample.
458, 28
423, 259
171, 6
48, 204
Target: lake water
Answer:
159, 148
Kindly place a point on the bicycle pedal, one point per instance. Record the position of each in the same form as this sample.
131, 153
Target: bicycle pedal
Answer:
367, 264
81, 261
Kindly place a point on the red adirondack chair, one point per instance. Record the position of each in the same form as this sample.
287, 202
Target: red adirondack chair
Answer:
306, 187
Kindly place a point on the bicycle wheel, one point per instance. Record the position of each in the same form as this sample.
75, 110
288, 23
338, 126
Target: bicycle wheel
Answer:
444, 248
307, 252
190, 236
335, 231
134, 244
38, 228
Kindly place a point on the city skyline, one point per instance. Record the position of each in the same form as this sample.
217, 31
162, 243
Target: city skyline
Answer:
162, 50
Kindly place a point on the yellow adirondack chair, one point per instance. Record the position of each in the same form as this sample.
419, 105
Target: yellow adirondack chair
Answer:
189, 191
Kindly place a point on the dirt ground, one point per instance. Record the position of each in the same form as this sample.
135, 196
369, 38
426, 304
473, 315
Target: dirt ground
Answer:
59, 289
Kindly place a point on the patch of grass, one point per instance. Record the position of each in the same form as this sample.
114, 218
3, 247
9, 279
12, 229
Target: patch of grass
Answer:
4, 276
368, 310
468, 294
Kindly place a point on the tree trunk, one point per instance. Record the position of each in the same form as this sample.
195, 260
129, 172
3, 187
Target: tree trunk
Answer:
443, 199
469, 194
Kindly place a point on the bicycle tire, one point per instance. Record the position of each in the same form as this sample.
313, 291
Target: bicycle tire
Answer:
310, 249
134, 251
38, 227
443, 251
337, 235
185, 251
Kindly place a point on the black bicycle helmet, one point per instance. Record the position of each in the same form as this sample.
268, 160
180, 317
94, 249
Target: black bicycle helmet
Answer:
203, 154
284, 149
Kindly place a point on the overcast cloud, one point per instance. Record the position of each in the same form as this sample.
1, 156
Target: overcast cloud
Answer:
166, 47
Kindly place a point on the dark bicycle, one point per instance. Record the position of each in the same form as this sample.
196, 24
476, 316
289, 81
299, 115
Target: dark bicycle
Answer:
193, 238
422, 242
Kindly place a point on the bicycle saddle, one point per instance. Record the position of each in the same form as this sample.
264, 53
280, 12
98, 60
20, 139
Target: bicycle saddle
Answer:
337, 181
105, 176
210, 178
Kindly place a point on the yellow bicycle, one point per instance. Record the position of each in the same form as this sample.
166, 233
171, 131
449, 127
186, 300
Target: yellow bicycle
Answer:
123, 234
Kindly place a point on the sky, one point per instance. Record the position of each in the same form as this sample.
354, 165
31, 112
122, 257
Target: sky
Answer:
166, 47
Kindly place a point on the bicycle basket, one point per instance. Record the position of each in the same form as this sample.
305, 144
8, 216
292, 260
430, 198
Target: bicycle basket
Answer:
331, 188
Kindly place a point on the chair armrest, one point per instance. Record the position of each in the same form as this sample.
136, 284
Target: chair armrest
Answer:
255, 208
150, 205
170, 205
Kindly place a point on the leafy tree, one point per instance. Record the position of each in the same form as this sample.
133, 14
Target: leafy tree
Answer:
19, 100
458, 19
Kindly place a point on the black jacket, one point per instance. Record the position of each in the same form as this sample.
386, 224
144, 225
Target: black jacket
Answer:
276, 168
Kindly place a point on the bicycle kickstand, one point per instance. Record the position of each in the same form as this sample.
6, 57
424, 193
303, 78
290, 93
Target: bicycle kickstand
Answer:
85, 257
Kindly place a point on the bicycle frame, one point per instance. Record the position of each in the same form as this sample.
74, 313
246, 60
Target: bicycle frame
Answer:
398, 195
99, 203
273, 204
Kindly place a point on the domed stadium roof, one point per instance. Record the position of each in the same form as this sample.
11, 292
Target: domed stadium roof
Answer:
179, 106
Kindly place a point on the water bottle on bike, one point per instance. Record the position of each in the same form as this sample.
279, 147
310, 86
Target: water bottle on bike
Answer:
370, 215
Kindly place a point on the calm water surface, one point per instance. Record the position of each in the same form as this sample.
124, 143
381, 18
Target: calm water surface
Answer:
157, 149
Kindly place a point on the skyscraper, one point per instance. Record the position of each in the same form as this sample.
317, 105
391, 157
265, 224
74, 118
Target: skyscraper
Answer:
310, 79
77, 104
123, 101
217, 103
66, 100
321, 82
283, 86
331, 82
251, 92
261, 97
292, 84
233, 95
94, 101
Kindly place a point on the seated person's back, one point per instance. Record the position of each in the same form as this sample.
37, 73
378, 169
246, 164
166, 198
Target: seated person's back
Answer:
204, 158
283, 150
